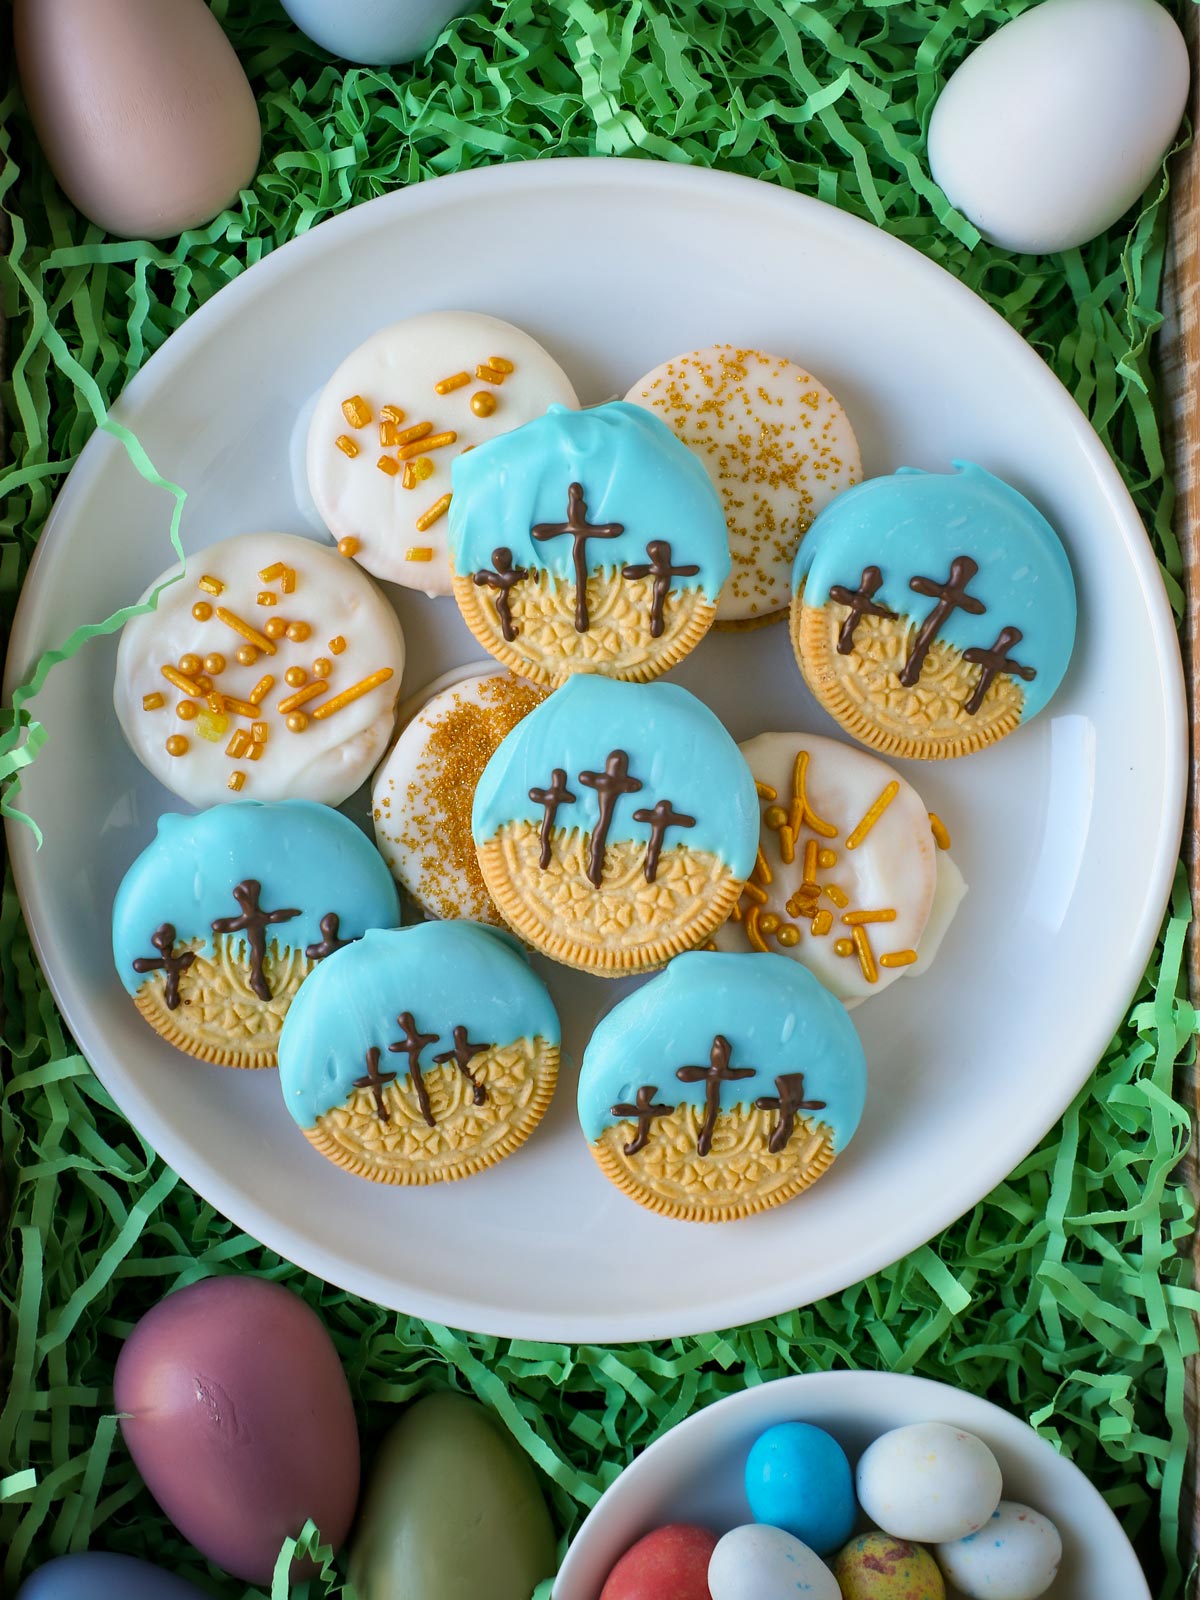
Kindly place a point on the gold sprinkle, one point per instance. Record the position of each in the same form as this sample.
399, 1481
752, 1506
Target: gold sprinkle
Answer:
346, 445
866, 956
419, 430
388, 464
212, 726
186, 710
259, 640
322, 667
310, 691
337, 645
898, 958
275, 627
261, 689
389, 434
424, 468
436, 511
269, 574
258, 732
243, 708
238, 745
753, 892
419, 552
408, 479
839, 896
247, 655
214, 664
941, 838
802, 812
267, 597
298, 632
787, 845
775, 817
364, 686
287, 584
448, 385
843, 947
769, 922
236, 780
153, 702
190, 665
852, 919
501, 364
180, 680
827, 859
211, 585
203, 683
757, 942
736, 914
489, 374
356, 411
202, 611
294, 677
254, 753
216, 703
762, 871
804, 902
822, 922
392, 414
297, 722
483, 404
765, 791
434, 442
863, 828
348, 546
177, 745
788, 936
810, 861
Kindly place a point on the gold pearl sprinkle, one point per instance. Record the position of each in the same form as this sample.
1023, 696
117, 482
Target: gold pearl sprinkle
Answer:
236, 781
337, 645
348, 546
775, 817
186, 710
247, 655
346, 445
190, 665
215, 664
788, 936
275, 627
769, 922
322, 667
202, 610
843, 947
827, 859
153, 702
298, 632
177, 745
297, 722
203, 683
483, 404
447, 385
295, 676
356, 411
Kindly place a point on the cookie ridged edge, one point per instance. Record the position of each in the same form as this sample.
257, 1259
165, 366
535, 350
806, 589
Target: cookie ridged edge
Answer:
619, 1176
166, 1028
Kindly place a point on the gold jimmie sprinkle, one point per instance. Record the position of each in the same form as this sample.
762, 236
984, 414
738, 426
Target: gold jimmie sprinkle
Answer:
261, 689
857, 834
941, 835
501, 364
419, 430
354, 692
259, 640
431, 441
447, 385
310, 691
181, 681
269, 574
437, 510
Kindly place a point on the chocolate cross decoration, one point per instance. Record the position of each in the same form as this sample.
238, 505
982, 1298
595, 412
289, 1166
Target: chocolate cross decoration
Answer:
714, 1075
462, 1055
645, 1111
995, 661
581, 530
501, 581
951, 596
411, 1045
609, 785
331, 940
376, 1081
787, 1101
167, 962
660, 819
253, 922
659, 567
556, 795
862, 604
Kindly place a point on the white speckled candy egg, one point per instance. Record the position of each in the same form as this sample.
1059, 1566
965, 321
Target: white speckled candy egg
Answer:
928, 1482
758, 1562
1015, 1556
1052, 128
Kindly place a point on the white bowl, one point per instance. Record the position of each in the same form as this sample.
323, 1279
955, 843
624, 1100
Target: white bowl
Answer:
694, 1474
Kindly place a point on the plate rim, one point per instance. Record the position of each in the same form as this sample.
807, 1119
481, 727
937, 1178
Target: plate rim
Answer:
545, 175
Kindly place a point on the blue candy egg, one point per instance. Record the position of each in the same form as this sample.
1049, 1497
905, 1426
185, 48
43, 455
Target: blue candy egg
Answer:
94, 1575
379, 32
798, 1478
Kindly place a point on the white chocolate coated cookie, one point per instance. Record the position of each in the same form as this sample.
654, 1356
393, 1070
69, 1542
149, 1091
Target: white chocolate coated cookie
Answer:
394, 416
268, 672
778, 447
421, 802
848, 875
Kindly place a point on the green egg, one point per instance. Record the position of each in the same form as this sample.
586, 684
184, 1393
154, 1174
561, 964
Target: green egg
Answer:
452, 1508
877, 1567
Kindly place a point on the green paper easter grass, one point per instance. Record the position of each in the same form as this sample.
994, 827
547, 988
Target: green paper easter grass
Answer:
1065, 1294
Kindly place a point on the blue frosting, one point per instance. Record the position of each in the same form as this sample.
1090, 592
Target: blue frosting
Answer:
304, 855
774, 1013
675, 744
633, 471
445, 973
915, 523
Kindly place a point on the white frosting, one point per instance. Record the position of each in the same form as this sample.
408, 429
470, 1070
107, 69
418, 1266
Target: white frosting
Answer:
413, 799
778, 447
894, 867
948, 895
400, 366
333, 755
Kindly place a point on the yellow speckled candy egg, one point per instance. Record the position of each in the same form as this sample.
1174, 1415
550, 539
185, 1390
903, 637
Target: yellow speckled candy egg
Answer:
877, 1567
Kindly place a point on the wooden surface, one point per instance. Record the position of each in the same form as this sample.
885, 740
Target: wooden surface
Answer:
1180, 368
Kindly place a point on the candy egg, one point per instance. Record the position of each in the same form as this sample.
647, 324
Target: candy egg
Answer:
366, 30
143, 110
798, 1478
757, 1562
237, 1414
928, 1482
669, 1564
1053, 127
96, 1575
1014, 1557
877, 1567
452, 1508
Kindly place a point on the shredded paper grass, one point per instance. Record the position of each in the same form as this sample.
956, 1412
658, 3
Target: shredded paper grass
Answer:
1065, 1295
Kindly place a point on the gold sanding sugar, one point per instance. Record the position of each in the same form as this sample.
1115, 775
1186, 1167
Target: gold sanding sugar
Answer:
437, 809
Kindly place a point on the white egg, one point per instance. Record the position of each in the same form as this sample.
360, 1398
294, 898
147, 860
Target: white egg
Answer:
1052, 128
928, 1482
758, 1562
381, 32
1015, 1556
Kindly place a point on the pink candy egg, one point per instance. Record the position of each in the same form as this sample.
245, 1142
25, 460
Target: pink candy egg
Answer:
669, 1564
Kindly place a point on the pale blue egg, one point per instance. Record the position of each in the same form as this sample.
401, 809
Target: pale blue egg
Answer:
376, 32
95, 1575
798, 1478
760, 1563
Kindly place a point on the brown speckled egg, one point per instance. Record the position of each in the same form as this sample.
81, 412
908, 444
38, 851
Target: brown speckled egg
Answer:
237, 1414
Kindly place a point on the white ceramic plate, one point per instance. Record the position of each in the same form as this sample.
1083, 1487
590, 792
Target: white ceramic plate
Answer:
694, 1474
1067, 831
